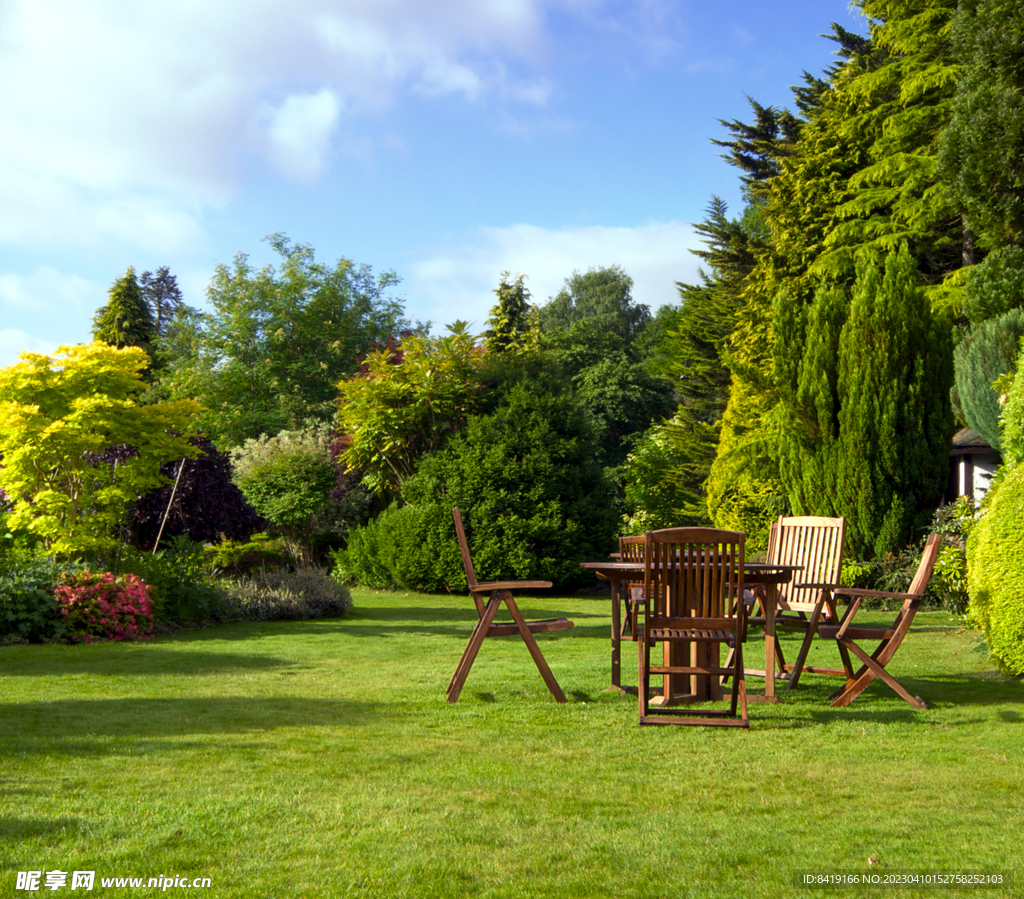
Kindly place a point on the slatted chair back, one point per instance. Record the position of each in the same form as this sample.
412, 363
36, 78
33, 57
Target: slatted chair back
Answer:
631, 549
693, 575
467, 561
693, 579
816, 545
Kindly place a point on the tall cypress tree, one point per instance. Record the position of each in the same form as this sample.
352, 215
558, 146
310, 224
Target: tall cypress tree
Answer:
894, 418
126, 319
807, 372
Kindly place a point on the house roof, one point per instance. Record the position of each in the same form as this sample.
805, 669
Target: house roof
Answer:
969, 443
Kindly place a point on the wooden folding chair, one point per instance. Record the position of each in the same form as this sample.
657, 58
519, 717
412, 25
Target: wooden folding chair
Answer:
847, 635
693, 579
815, 544
498, 592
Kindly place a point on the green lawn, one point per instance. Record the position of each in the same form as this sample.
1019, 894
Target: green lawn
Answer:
320, 759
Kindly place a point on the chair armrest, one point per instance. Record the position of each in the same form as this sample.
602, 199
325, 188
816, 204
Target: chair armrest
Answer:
859, 591
510, 585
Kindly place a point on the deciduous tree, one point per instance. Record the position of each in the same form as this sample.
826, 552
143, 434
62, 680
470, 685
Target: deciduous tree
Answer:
58, 415
269, 354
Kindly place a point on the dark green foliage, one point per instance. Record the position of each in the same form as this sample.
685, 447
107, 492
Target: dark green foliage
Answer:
756, 149
602, 294
624, 398
183, 590
534, 496
982, 153
988, 352
894, 417
664, 474
697, 340
126, 320
28, 607
807, 371
995, 285
163, 296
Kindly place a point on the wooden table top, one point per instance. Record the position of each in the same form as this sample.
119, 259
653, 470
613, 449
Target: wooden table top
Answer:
753, 572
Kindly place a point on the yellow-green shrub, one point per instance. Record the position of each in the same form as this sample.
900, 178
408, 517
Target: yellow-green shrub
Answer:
995, 570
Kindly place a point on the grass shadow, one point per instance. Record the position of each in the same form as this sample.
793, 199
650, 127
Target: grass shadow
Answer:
16, 829
130, 660
83, 726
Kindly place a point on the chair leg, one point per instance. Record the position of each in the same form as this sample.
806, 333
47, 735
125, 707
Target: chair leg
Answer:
476, 640
801, 659
531, 644
643, 679
859, 682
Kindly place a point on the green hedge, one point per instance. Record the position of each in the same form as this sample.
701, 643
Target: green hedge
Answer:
995, 566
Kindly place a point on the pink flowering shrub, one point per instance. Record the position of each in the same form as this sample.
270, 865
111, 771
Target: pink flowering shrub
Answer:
96, 605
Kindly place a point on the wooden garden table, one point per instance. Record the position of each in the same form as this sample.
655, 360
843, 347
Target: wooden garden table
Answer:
754, 573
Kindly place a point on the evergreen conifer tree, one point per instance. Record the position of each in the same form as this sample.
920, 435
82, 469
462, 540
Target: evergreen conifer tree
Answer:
163, 296
895, 422
982, 151
126, 319
513, 322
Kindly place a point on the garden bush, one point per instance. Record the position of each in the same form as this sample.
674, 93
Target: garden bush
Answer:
237, 558
98, 605
995, 570
295, 482
28, 604
409, 547
995, 546
183, 588
287, 595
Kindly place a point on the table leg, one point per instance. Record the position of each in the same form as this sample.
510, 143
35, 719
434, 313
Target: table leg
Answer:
616, 638
771, 598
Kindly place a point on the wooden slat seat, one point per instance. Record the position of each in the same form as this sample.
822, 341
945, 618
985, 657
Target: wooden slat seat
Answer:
488, 597
510, 628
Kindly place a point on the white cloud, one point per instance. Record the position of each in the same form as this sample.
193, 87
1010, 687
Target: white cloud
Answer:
111, 108
300, 132
457, 282
50, 292
14, 342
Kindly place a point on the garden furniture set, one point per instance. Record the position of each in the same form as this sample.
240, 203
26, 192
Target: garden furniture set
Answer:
693, 591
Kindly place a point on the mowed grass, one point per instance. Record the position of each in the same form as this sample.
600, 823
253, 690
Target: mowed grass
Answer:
321, 759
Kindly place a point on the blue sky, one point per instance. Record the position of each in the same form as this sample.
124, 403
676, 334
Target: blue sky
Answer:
447, 141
